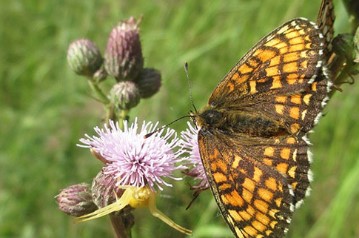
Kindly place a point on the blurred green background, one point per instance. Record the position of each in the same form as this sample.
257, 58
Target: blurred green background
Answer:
45, 108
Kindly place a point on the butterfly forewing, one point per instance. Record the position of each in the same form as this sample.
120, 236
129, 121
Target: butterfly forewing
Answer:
325, 21
281, 62
274, 80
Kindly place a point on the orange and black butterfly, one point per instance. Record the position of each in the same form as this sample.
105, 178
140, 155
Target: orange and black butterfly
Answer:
253, 133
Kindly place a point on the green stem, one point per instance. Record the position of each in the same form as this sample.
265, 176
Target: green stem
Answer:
110, 112
98, 92
122, 116
114, 114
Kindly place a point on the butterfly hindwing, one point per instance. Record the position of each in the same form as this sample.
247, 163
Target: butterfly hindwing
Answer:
288, 155
254, 198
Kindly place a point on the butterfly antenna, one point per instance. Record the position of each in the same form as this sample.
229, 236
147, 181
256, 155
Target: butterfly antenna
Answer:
167, 125
189, 87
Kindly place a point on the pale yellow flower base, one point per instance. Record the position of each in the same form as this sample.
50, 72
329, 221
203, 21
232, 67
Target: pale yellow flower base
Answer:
136, 197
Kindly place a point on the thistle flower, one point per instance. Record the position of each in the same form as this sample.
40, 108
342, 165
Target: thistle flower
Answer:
138, 163
134, 160
189, 144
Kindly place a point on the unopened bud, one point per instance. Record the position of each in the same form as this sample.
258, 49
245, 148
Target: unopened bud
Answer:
104, 189
149, 82
76, 200
84, 58
123, 57
125, 95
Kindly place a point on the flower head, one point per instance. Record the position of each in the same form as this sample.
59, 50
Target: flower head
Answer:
134, 159
189, 144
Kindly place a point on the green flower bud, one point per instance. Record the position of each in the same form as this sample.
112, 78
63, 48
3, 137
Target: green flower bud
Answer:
84, 58
123, 57
125, 95
149, 82
76, 200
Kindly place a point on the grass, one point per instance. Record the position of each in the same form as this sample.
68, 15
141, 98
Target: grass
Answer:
45, 109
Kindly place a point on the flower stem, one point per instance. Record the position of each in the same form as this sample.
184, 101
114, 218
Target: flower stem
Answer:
98, 92
123, 116
118, 227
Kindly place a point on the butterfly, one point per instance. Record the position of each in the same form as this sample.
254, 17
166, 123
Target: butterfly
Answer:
253, 133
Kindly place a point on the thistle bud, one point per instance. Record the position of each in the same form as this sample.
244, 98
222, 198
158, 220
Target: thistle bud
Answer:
125, 95
123, 57
105, 192
84, 58
76, 200
149, 82
104, 189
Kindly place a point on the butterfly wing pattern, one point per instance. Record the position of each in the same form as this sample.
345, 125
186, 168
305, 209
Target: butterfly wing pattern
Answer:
325, 22
253, 133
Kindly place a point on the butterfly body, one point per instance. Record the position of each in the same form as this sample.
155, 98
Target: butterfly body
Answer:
230, 122
253, 133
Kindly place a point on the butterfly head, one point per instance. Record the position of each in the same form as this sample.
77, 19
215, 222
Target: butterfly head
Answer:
209, 118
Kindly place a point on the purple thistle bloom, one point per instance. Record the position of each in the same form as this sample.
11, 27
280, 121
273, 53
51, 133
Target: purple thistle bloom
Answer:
189, 143
133, 159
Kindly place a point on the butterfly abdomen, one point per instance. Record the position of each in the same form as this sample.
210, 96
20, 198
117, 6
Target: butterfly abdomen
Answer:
258, 126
